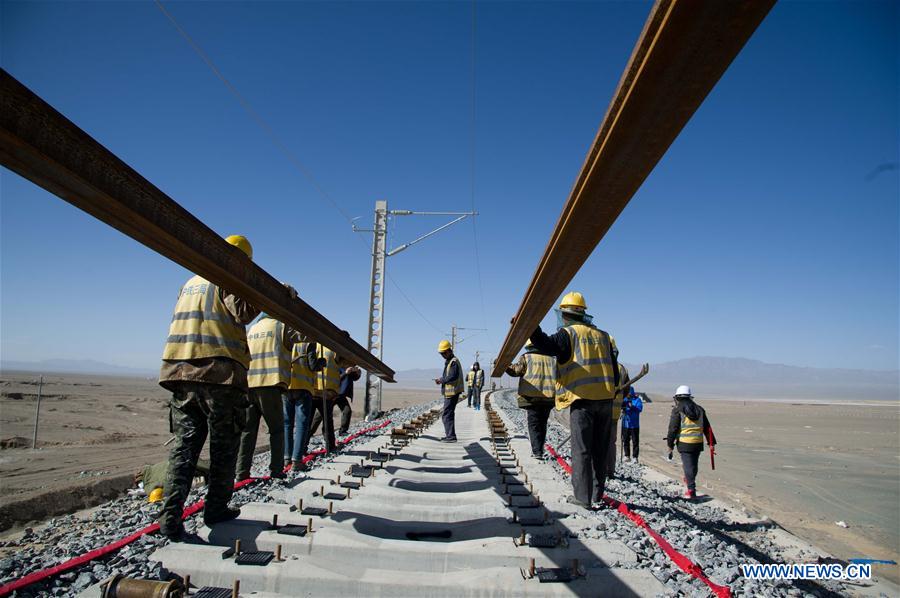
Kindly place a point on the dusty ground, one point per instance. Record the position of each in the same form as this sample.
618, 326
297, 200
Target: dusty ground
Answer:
95, 432
807, 466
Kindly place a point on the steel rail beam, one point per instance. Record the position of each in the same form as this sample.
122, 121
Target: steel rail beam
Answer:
683, 50
43, 146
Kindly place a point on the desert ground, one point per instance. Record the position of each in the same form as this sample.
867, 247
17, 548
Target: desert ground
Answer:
806, 465
94, 433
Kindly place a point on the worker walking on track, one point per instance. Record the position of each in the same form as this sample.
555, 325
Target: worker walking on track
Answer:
537, 392
328, 383
616, 414
688, 425
298, 404
475, 382
270, 343
632, 406
451, 383
205, 364
587, 376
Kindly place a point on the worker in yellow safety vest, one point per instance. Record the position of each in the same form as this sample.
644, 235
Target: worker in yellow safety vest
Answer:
328, 384
586, 380
204, 365
451, 383
616, 414
298, 404
270, 343
537, 393
688, 426
474, 382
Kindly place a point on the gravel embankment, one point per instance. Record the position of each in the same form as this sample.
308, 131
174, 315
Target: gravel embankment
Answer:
67, 537
703, 533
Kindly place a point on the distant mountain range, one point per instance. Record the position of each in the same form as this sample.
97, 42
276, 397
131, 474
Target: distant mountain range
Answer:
710, 377
735, 377
74, 366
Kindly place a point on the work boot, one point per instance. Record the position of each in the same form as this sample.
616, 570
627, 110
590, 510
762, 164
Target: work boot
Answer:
210, 519
241, 477
574, 501
183, 537
278, 475
690, 494
299, 466
448, 439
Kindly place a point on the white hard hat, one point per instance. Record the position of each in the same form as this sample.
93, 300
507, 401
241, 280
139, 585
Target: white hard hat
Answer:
683, 391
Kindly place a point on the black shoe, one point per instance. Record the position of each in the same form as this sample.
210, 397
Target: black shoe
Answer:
183, 537
574, 501
241, 477
278, 475
448, 439
299, 465
228, 514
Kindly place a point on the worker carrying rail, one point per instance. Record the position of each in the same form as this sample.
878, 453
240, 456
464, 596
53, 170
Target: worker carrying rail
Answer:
587, 377
616, 414
270, 343
451, 383
328, 385
688, 426
298, 404
537, 393
204, 365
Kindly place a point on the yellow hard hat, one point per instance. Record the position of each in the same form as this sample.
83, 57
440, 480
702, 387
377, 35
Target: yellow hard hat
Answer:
241, 242
156, 495
444, 345
573, 300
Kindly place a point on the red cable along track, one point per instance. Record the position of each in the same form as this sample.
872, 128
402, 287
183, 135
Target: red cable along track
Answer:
683, 562
189, 511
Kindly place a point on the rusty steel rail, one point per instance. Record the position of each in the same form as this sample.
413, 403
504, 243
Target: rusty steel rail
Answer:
684, 49
43, 146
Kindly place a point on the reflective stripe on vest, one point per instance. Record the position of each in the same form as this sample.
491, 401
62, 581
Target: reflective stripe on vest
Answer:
270, 364
691, 431
457, 386
470, 378
302, 378
202, 326
589, 373
539, 380
331, 371
479, 378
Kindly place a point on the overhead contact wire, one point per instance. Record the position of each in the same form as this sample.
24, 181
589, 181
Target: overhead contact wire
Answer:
276, 140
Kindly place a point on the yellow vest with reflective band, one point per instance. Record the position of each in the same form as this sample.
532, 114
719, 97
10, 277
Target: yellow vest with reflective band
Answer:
270, 362
202, 326
332, 371
539, 380
620, 396
457, 386
691, 430
302, 378
589, 372
475, 379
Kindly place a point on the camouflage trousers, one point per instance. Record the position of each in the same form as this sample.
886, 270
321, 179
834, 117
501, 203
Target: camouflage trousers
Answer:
195, 411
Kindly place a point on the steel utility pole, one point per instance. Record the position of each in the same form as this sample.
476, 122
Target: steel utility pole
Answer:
380, 254
454, 328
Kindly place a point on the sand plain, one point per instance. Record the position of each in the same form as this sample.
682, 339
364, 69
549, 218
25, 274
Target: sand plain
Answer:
94, 433
807, 465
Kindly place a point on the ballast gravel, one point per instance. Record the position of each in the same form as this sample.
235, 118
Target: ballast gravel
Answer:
70, 536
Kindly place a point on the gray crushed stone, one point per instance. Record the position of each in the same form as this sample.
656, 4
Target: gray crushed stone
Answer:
702, 532
69, 536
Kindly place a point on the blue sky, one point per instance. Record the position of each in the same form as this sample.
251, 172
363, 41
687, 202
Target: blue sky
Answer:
760, 234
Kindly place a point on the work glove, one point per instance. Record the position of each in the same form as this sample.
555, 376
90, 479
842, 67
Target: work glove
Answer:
291, 290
